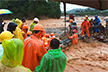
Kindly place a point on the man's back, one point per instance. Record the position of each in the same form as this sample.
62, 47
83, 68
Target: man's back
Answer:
53, 61
33, 52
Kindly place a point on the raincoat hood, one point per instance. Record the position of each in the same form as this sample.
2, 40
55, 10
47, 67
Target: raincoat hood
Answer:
13, 52
18, 22
11, 27
56, 53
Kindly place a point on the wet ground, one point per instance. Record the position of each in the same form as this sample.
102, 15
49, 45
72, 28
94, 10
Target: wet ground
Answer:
82, 57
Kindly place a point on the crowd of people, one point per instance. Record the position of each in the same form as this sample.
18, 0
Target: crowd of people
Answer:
24, 49
29, 50
88, 27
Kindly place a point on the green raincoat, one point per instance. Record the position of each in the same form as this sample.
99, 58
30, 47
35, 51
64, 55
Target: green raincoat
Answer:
12, 56
32, 26
53, 61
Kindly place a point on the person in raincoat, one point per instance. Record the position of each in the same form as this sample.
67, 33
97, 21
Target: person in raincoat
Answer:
46, 41
23, 21
52, 36
86, 16
33, 48
54, 60
4, 35
11, 27
36, 20
71, 26
12, 56
1, 25
25, 30
85, 27
74, 37
18, 22
96, 23
18, 33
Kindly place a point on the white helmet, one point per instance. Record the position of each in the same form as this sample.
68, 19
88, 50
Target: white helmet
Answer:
36, 19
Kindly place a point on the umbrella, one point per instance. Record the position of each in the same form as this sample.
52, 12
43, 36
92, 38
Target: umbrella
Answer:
5, 11
97, 4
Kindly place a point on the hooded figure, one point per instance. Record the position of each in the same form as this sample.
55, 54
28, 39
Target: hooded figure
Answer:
4, 35
12, 56
96, 23
54, 60
11, 27
18, 22
33, 48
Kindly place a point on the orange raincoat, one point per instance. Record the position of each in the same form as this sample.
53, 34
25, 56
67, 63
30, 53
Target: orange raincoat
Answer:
33, 52
74, 38
85, 27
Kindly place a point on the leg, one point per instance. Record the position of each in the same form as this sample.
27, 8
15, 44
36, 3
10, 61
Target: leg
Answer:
82, 32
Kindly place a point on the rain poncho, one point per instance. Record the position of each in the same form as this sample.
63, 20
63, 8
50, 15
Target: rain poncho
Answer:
18, 22
1, 51
32, 26
13, 20
74, 38
12, 56
96, 23
33, 52
11, 27
18, 34
53, 61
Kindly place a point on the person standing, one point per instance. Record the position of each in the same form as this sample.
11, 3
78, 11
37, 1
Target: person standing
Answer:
1, 25
23, 21
54, 60
86, 16
85, 27
25, 30
33, 48
36, 20
71, 16
96, 23
12, 56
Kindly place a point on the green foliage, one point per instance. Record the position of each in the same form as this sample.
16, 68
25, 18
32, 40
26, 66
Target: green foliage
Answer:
32, 8
90, 11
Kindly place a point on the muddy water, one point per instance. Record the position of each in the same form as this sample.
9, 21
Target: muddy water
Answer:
83, 57
87, 57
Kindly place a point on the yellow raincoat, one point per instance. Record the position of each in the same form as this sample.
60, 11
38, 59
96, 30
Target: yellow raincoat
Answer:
18, 22
12, 56
18, 34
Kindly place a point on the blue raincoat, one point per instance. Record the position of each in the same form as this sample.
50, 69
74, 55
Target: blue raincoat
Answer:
96, 23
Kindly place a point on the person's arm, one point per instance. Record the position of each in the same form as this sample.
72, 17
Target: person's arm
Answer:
43, 65
69, 36
97, 21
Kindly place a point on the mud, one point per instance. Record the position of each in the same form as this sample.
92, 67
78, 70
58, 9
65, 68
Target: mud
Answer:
82, 57
87, 57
